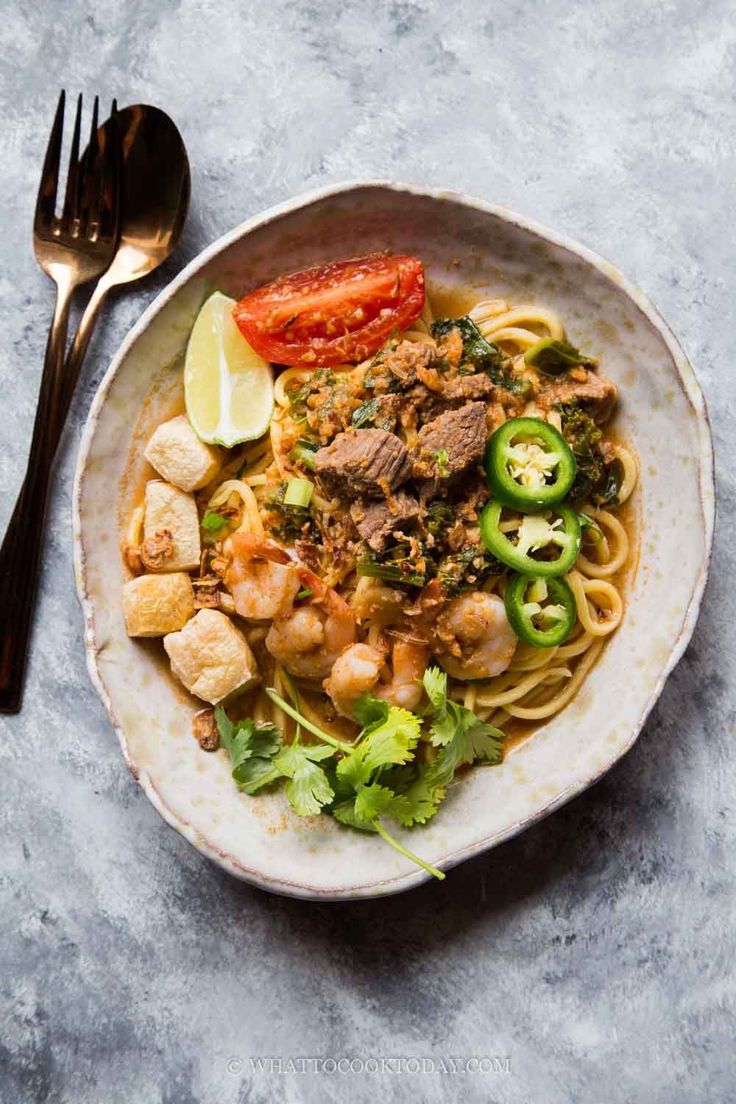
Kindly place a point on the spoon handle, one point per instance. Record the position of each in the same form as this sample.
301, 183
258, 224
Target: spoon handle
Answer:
76, 355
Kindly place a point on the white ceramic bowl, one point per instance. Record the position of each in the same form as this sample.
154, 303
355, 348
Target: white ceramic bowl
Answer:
463, 242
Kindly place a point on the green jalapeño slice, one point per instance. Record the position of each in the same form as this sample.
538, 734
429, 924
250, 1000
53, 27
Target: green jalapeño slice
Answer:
544, 544
541, 611
529, 464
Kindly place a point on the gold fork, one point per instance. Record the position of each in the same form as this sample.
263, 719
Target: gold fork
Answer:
72, 248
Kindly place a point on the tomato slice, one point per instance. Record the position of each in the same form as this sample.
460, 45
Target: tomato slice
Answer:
335, 313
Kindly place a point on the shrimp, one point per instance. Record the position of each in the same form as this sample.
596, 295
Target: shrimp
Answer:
353, 674
474, 639
358, 671
308, 639
375, 603
409, 661
262, 578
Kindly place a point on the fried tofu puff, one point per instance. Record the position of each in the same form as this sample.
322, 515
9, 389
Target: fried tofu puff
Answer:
172, 511
211, 657
179, 457
154, 605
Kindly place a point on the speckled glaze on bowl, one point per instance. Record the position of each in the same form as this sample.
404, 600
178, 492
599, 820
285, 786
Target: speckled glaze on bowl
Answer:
467, 243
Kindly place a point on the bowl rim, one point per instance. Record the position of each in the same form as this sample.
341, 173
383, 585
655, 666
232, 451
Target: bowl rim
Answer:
706, 487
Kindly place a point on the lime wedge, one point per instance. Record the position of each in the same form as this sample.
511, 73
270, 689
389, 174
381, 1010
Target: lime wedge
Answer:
228, 387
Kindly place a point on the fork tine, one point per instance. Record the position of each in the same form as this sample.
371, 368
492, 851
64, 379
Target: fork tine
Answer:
91, 158
72, 200
93, 130
46, 201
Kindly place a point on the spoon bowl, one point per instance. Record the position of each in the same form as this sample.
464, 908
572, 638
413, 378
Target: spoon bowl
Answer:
155, 193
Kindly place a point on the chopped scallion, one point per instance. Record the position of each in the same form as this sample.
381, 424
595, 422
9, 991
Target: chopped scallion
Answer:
303, 452
443, 463
298, 492
212, 522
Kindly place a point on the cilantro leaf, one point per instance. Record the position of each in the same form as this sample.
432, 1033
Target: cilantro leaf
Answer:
349, 789
250, 745
364, 812
462, 736
308, 787
266, 739
254, 774
417, 783
423, 798
387, 740
442, 711
369, 711
225, 727
435, 686
374, 801
371, 802
389, 737
473, 740
346, 814
445, 724
341, 789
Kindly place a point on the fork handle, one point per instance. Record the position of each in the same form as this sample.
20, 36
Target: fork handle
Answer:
68, 381
21, 548
72, 367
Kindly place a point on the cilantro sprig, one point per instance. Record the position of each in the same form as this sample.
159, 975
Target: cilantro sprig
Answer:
259, 758
462, 737
397, 769
251, 746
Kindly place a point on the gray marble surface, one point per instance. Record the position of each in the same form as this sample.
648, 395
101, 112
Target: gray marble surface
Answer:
596, 951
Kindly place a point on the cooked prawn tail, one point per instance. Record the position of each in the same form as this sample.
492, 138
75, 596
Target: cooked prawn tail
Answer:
250, 546
313, 582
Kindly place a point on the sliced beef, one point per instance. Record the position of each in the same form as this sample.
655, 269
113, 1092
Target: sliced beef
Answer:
451, 444
376, 521
453, 392
595, 394
369, 463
